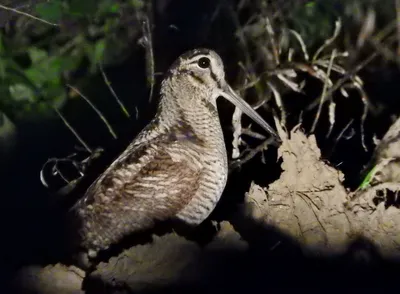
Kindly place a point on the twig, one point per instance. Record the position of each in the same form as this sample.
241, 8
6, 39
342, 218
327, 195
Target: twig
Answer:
367, 28
108, 83
344, 79
302, 44
148, 44
324, 90
332, 108
364, 99
352, 73
271, 36
341, 134
110, 129
250, 133
237, 131
253, 152
292, 85
28, 15
73, 131
279, 103
338, 25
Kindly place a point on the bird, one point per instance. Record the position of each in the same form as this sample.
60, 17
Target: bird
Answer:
175, 168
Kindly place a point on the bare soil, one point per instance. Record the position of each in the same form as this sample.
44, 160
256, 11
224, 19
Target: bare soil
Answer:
307, 206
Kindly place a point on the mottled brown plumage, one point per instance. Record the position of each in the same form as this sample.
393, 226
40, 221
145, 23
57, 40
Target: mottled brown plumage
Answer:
176, 168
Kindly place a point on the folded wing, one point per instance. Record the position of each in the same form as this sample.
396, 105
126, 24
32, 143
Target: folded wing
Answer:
149, 183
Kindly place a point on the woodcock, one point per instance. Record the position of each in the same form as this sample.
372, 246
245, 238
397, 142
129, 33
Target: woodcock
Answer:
176, 168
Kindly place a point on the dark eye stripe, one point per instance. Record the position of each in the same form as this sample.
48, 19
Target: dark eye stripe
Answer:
212, 74
193, 75
197, 78
214, 77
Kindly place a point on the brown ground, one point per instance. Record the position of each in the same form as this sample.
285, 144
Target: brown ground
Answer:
308, 204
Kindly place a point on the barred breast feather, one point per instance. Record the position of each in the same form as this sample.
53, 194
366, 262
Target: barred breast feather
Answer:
153, 180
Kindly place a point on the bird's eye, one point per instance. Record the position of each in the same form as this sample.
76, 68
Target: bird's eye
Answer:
204, 62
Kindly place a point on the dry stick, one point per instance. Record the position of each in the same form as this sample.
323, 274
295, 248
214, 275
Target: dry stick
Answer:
383, 50
251, 154
357, 85
363, 118
343, 80
237, 131
296, 87
317, 72
279, 103
324, 90
95, 109
338, 26
149, 55
301, 42
108, 83
73, 131
382, 34
341, 134
367, 28
250, 133
236, 118
332, 108
271, 36
28, 15
380, 46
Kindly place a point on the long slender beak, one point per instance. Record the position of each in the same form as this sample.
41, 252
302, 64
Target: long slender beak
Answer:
229, 94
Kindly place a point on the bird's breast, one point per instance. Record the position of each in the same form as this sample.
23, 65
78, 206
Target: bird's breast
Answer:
177, 174
211, 183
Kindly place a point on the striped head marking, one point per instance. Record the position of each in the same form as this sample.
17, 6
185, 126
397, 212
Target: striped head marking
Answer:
202, 67
203, 70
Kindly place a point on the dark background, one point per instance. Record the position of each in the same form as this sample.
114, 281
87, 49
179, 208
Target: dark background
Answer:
29, 224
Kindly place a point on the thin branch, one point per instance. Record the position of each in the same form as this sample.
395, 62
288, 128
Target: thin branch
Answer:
341, 134
148, 44
364, 100
344, 79
279, 103
237, 131
250, 133
338, 25
253, 152
367, 28
324, 90
110, 129
73, 131
291, 84
302, 44
271, 36
332, 108
28, 15
108, 83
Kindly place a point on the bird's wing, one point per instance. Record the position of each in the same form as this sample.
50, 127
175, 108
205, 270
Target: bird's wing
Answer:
153, 182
